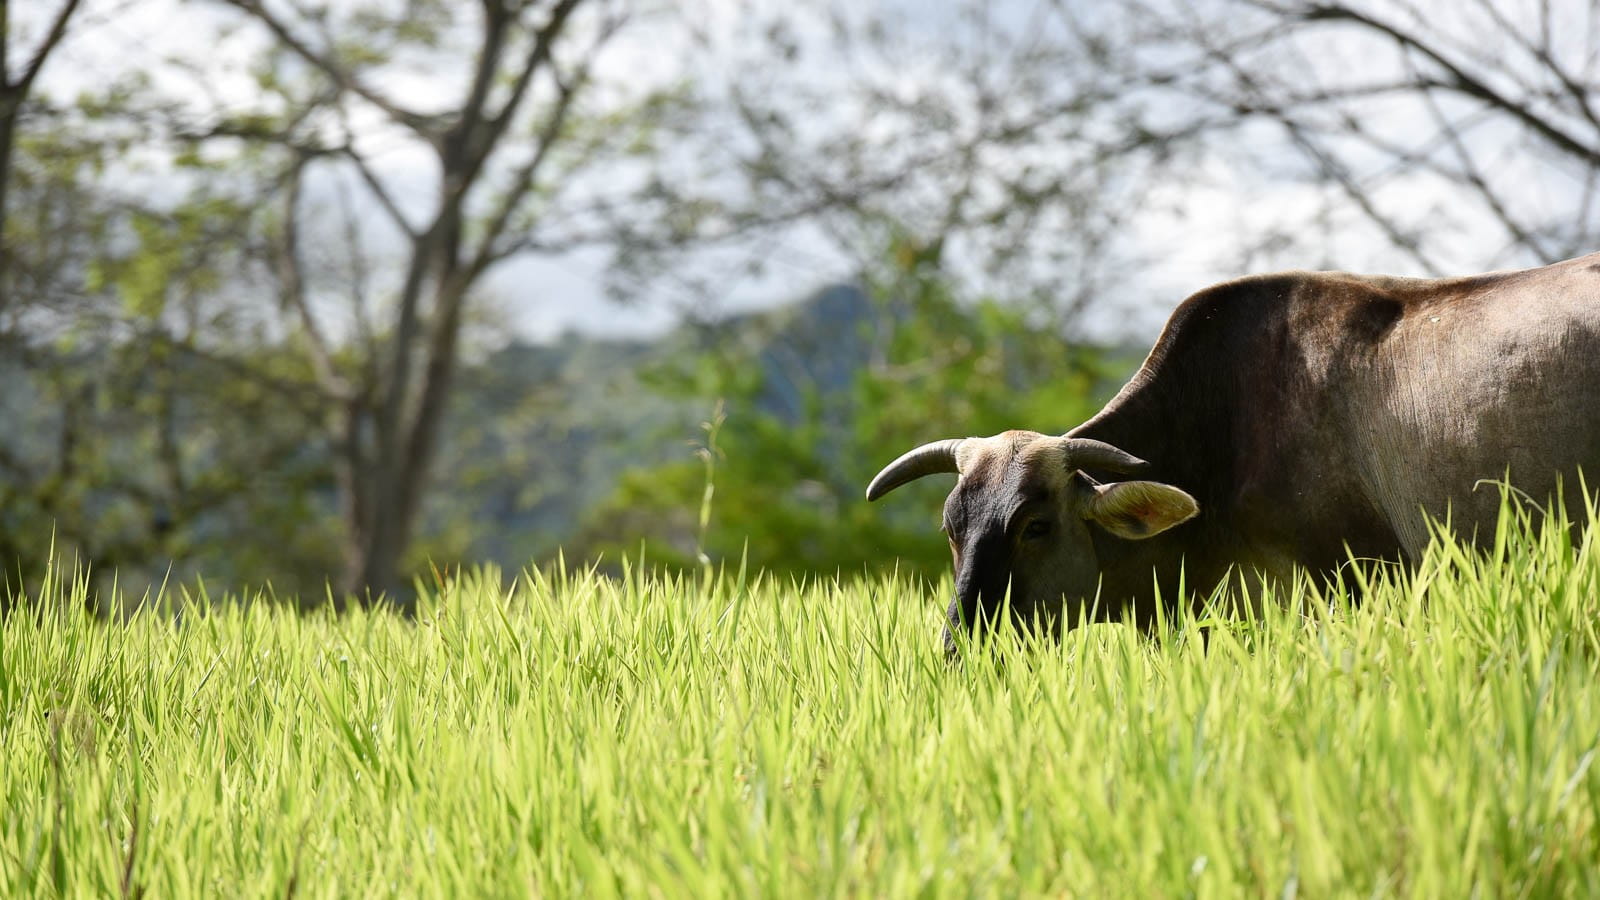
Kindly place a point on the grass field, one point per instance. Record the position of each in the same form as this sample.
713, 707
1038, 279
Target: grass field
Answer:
653, 737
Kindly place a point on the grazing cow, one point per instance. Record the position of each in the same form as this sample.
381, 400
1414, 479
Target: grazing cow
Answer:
1282, 420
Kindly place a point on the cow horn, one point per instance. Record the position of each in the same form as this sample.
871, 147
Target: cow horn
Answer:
929, 459
1087, 453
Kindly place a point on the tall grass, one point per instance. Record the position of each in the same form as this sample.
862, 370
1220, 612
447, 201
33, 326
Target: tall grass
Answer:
650, 736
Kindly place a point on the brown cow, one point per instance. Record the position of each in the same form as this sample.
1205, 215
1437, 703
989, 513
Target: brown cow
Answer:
1286, 420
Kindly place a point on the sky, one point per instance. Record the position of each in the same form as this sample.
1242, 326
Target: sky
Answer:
545, 297
1190, 233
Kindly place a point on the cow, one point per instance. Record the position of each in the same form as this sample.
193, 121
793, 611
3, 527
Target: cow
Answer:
1281, 422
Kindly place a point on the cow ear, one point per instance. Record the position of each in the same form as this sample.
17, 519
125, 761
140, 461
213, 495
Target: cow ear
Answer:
1139, 509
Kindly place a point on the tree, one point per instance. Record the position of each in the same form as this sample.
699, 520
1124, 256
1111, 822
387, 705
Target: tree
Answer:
975, 166
16, 84
996, 134
805, 409
526, 117
1462, 135
118, 452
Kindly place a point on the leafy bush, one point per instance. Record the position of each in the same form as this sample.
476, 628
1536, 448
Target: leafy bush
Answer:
797, 433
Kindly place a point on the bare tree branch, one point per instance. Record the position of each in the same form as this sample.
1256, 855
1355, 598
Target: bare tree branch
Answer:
58, 30
346, 81
1472, 176
291, 279
1541, 52
1327, 164
381, 192
13, 95
1459, 80
474, 138
360, 294
545, 140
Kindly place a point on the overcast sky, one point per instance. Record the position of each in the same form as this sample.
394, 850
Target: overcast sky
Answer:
547, 297
1190, 233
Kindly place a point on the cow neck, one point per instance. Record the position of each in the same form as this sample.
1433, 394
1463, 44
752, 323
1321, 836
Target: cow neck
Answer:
1181, 413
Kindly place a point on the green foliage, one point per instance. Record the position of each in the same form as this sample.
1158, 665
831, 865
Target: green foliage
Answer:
789, 484
582, 735
162, 258
143, 460
155, 430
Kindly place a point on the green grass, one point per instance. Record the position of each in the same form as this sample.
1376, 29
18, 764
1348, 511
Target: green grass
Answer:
654, 737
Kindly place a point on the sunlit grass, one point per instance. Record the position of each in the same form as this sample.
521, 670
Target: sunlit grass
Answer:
649, 736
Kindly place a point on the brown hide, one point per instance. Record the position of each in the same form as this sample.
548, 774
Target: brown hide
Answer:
1311, 412
1313, 416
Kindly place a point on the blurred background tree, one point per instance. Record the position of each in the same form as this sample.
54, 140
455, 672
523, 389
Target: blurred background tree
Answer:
1429, 137
801, 422
272, 271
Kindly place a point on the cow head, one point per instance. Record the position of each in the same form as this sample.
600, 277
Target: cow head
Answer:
1020, 516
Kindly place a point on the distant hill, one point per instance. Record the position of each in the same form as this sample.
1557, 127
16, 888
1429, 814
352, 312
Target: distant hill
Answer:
536, 438
538, 434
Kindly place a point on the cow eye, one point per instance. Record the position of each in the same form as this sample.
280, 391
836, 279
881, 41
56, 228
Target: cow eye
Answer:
1037, 528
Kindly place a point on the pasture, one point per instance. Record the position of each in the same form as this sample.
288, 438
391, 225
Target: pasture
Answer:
736, 736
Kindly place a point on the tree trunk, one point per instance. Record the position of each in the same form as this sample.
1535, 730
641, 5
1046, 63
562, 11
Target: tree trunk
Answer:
13, 92
386, 449
9, 108
373, 507
381, 504
373, 576
393, 502
377, 529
